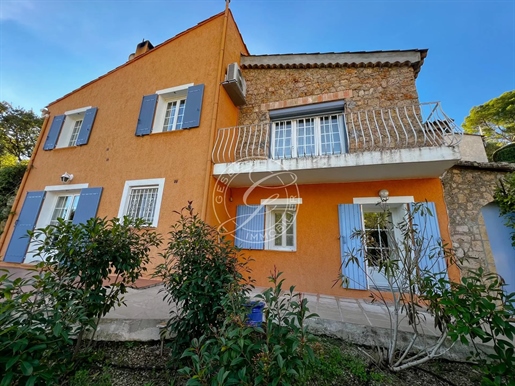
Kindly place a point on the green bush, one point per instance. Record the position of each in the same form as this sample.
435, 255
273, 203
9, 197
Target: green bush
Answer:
505, 153
10, 179
277, 353
477, 308
505, 197
199, 271
40, 315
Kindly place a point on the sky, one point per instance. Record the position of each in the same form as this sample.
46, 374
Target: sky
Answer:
51, 47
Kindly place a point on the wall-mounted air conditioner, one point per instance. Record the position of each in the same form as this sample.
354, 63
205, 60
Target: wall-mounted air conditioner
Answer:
235, 84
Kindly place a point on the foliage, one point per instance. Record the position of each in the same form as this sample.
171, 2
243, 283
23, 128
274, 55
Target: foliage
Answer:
10, 179
476, 307
505, 197
19, 131
332, 366
41, 314
277, 353
505, 153
38, 319
495, 119
199, 271
84, 378
94, 252
401, 266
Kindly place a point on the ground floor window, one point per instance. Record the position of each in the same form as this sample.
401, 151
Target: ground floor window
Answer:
142, 199
64, 208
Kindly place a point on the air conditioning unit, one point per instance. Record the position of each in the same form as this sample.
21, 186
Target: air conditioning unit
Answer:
235, 84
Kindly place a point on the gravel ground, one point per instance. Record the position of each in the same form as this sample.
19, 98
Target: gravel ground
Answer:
141, 364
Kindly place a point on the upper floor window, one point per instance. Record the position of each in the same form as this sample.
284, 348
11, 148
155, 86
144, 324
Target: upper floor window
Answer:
310, 130
73, 128
171, 109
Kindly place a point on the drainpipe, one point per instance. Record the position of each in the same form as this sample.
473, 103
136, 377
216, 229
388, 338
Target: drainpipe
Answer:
219, 79
24, 180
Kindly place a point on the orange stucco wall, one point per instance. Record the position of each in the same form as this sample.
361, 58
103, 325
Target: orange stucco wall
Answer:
315, 264
114, 154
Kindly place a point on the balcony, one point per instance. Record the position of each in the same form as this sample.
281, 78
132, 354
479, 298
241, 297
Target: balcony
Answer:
418, 141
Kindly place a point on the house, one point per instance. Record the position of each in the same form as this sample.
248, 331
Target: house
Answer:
287, 154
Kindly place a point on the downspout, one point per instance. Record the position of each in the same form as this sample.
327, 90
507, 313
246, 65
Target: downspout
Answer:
219, 79
24, 181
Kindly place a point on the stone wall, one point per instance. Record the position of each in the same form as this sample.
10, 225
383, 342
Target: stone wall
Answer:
468, 187
362, 88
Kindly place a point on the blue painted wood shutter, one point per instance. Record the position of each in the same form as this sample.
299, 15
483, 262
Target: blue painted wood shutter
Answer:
250, 227
87, 125
193, 107
350, 220
88, 205
146, 115
53, 133
425, 223
20, 240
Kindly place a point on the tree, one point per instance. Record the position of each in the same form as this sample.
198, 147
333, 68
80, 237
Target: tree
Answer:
19, 130
495, 120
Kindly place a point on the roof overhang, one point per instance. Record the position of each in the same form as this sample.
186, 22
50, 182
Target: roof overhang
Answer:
413, 58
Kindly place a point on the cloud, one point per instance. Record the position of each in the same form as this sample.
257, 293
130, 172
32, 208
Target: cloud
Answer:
16, 10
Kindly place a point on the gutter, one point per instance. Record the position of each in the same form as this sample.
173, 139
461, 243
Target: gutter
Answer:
220, 74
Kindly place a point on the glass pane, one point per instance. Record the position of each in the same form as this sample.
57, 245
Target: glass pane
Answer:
378, 233
142, 203
278, 221
169, 114
330, 135
75, 133
180, 115
282, 143
305, 137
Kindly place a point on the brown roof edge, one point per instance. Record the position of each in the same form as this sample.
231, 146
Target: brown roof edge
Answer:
142, 55
412, 57
493, 166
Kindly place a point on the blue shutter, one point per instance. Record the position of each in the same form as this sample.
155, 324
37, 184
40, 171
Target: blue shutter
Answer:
87, 124
26, 222
146, 115
193, 107
425, 224
250, 227
88, 205
53, 133
350, 220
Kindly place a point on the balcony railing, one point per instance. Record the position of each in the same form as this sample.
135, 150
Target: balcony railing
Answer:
422, 125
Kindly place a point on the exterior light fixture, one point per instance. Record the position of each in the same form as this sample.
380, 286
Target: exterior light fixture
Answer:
383, 195
44, 112
66, 177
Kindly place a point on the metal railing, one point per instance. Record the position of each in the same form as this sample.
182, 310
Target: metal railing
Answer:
421, 125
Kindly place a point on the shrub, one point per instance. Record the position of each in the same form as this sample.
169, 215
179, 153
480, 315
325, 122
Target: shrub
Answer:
41, 314
10, 179
200, 269
277, 353
505, 197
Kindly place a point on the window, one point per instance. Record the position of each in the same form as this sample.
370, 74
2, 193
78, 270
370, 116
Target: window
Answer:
171, 109
76, 203
142, 199
65, 208
271, 225
306, 131
281, 230
73, 128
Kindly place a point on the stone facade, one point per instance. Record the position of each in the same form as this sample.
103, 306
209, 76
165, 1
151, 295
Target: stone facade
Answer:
362, 88
468, 186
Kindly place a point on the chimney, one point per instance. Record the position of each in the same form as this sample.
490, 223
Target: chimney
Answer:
141, 48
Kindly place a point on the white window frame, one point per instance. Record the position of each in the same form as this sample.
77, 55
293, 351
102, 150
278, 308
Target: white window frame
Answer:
273, 205
129, 185
166, 96
317, 135
72, 116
